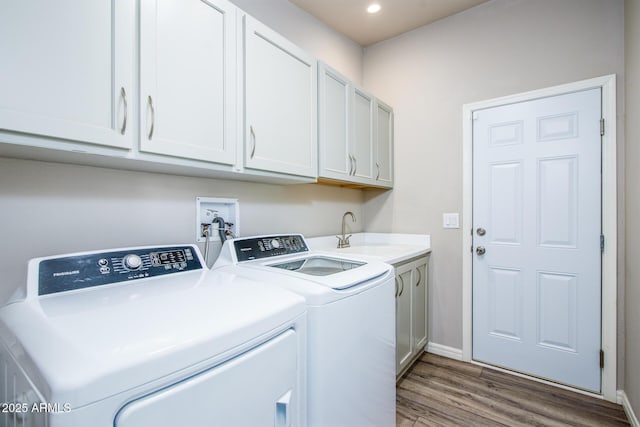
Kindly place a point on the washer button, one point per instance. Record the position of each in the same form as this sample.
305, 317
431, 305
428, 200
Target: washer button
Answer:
132, 261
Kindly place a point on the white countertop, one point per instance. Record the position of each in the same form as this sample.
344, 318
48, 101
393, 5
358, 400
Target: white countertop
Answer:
391, 248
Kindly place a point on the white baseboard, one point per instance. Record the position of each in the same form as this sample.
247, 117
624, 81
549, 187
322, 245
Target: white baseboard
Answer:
633, 419
445, 351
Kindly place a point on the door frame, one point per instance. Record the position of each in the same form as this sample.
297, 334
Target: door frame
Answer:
609, 218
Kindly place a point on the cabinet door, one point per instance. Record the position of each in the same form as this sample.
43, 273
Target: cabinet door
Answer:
384, 144
68, 69
333, 123
362, 150
420, 281
404, 316
187, 79
279, 103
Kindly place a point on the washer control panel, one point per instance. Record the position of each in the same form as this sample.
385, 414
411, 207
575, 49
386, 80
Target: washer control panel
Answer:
102, 268
269, 246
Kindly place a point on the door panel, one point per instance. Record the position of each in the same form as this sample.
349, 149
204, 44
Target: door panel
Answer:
363, 135
280, 103
404, 316
384, 144
333, 123
506, 203
505, 303
537, 192
187, 68
557, 310
420, 304
68, 75
557, 202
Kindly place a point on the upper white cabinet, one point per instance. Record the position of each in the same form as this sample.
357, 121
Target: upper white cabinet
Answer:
193, 87
279, 103
68, 70
383, 135
334, 114
362, 152
355, 133
188, 79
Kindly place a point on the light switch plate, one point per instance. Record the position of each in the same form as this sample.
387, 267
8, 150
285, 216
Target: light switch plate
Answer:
451, 220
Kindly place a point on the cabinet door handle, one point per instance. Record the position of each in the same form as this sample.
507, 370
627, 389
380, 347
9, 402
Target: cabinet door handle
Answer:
396, 287
402, 288
350, 164
153, 116
123, 95
378, 169
419, 277
355, 165
253, 142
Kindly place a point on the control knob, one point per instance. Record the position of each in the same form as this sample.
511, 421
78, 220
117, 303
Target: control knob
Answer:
132, 261
275, 243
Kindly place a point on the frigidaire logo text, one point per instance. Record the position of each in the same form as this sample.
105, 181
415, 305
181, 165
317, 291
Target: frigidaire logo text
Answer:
66, 273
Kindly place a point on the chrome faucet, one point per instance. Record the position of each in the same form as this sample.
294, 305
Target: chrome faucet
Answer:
343, 242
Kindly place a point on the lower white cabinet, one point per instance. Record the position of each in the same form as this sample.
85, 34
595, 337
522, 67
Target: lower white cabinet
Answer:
411, 311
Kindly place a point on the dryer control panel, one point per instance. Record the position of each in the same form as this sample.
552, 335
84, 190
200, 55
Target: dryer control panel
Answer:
102, 268
269, 246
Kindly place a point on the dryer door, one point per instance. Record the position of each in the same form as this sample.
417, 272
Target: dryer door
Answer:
255, 388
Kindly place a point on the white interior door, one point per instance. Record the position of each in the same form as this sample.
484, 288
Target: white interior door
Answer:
537, 216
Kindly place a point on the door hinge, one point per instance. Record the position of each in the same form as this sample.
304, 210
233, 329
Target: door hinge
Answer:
601, 127
602, 243
601, 359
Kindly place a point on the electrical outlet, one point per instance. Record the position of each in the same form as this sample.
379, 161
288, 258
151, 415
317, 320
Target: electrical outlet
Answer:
207, 209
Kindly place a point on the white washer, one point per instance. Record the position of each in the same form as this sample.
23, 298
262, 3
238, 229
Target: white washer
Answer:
351, 324
148, 337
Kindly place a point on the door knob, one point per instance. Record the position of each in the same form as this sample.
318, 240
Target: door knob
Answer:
481, 231
480, 250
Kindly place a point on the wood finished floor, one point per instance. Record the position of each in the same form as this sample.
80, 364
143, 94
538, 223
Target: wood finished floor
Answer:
438, 391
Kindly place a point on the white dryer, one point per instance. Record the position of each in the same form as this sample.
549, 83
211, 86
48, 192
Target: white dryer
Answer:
147, 337
351, 324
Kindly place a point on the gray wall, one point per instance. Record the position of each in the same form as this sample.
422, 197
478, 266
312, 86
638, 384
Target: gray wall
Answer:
632, 158
497, 48
48, 208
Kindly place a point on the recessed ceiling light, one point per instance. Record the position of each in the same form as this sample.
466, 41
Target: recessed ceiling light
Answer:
374, 8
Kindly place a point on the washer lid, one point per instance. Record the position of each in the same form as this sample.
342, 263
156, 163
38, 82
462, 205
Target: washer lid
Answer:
83, 346
327, 269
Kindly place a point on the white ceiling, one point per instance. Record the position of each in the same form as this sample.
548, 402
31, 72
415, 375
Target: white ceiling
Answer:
350, 17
